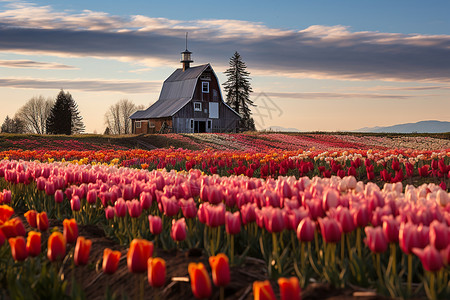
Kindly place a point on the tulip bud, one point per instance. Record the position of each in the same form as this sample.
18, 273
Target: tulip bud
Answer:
18, 248
178, 232
289, 288
34, 243
42, 221
59, 196
200, 281
110, 261
220, 269
262, 290
305, 230
138, 254
331, 230
155, 224
109, 213
156, 272
75, 203
430, 257
70, 230
31, 217
81, 253
56, 246
232, 222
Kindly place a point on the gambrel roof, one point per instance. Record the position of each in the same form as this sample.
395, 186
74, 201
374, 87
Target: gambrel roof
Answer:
176, 92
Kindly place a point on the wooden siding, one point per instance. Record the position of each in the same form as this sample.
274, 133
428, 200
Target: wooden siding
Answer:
151, 125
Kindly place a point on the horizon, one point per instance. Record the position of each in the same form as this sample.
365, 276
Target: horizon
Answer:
321, 66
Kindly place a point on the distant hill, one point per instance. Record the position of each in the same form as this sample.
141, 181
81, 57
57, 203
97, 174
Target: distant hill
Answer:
419, 127
280, 129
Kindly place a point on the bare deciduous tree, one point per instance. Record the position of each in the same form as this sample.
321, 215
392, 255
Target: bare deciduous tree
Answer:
34, 114
117, 118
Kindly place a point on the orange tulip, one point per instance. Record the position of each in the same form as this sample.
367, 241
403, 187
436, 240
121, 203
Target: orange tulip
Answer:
56, 246
289, 288
5, 213
262, 290
138, 254
13, 228
200, 282
110, 261
70, 230
220, 269
18, 248
156, 272
31, 217
42, 221
34, 243
81, 253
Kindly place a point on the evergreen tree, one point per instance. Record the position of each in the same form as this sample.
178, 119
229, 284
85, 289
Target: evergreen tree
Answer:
238, 90
64, 117
15, 125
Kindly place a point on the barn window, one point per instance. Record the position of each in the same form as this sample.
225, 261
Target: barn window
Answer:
197, 106
209, 124
138, 124
192, 123
205, 87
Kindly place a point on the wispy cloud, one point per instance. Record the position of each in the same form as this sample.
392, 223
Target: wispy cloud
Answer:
337, 95
32, 64
94, 85
317, 51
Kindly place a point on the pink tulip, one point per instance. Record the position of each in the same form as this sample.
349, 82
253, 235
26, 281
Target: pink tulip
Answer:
120, 207
178, 232
330, 199
408, 237
75, 203
91, 196
391, 229
345, 218
59, 196
275, 221
127, 192
155, 224
376, 240
170, 206
146, 200
49, 188
305, 230
109, 212
232, 222
188, 208
331, 230
430, 257
361, 216
315, 209
215, 195
439, 235
215, 215
134, 208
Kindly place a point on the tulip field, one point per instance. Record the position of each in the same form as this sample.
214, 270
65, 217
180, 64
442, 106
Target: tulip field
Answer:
226, 216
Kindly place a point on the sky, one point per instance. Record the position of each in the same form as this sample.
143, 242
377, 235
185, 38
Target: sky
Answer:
323, 65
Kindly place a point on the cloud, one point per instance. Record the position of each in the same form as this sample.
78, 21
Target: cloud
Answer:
336, 95
94, 85
325, 52
32, 64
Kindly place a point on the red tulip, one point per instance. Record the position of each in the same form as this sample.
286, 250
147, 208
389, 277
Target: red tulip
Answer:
49, 188
170, 206
145, 200
275, 220
178, 232
361, 216
220, 269
56, 246
423, 171
156, 272
110, 261
138, 254
345, 219
91, 196
262, 290
200, 281
18, 248
215, 195
34, 243
42, 221
188, 208
331, 230
376, 241
70, 230
430, 257
155, 224
109, 213
82, 249
127, 193
305, 230
31, 217
289, 288
232, 222
5, 213
215, 214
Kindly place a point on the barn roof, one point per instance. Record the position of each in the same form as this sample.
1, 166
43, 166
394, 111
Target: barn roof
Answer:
176, 92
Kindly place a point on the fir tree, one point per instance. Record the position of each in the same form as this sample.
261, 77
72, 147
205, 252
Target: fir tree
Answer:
64, 117
238, 90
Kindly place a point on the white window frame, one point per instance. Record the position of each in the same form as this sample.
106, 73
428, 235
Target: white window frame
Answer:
199, 108
205, 84
138, 124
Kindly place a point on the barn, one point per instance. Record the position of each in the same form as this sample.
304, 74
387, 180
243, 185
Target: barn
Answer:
190, 102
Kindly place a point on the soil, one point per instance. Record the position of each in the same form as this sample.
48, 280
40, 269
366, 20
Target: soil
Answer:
123, 283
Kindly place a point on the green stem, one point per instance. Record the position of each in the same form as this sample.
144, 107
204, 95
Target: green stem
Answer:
409, 277
232, 249
302, 256
378, 263
432, 289
222, 293
275, 252
394, 262
342, 247
358, 242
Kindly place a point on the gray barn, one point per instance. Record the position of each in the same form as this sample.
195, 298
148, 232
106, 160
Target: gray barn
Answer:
190, 102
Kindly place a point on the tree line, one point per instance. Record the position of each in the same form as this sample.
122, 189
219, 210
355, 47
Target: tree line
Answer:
61, 116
